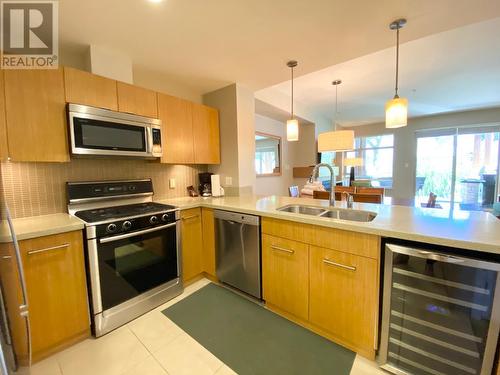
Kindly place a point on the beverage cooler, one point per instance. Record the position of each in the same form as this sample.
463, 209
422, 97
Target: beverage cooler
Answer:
440, 313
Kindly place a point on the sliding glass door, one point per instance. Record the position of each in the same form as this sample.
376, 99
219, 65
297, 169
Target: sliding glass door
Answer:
459, 166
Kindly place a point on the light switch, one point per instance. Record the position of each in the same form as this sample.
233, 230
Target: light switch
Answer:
171, 183
229, 181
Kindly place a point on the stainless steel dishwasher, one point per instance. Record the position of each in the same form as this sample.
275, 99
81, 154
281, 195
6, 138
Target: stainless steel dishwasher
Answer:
237, 243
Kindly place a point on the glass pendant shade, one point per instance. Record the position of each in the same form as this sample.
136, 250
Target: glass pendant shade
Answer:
396, 113
292, 130
340, 140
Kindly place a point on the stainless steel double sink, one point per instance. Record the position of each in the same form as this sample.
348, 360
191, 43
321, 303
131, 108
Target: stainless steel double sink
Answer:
333, 213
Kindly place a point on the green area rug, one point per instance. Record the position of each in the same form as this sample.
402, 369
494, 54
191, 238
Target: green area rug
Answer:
252, 340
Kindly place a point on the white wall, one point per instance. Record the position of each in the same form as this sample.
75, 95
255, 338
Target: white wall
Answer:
275, 185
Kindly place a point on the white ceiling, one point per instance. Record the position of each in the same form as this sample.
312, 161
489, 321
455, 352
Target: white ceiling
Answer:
209, 44
449, 71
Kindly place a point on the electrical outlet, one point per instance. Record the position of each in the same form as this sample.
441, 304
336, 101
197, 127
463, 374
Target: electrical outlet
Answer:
171, 183
229, 181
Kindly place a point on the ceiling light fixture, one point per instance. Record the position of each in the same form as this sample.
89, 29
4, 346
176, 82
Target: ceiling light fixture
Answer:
337, 140
292, 125
396, 109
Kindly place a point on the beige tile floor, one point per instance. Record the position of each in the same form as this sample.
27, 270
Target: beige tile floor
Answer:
149, 345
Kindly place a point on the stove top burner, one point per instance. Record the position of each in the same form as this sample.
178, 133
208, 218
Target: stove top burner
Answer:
117, 212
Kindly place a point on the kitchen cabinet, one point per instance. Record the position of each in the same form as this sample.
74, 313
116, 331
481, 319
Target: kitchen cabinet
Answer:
336, 280
343, 296
136, 100
4, 150
90, 89
192, 243
57, 293
285, 275
177, 129
35, 115
206, 134
207, 215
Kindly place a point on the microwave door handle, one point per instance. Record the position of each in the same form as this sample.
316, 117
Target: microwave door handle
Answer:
133, 234
149, 140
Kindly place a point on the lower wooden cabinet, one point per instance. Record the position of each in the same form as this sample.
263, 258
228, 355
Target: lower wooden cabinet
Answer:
285, 275
343, 296
208, 222
192, 243
54, 270
324, 279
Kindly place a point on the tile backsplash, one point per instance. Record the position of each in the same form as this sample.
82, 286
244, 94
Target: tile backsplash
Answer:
33, 189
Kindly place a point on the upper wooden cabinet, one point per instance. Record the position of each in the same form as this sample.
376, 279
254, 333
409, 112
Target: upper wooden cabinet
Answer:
90, 89
137, 100
35, 115
4, 150
206, 135
177, 129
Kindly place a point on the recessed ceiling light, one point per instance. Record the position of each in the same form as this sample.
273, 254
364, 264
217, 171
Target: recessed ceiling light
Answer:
155, 1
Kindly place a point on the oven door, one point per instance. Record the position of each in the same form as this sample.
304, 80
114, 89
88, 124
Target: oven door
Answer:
125, 266
98, 135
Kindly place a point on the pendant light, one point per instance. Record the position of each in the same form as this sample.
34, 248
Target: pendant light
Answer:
337, 140
292, 125
396, 109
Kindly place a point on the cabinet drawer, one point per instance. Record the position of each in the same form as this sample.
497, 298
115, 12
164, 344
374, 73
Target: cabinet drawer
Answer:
285, 275
363, 244
343, 296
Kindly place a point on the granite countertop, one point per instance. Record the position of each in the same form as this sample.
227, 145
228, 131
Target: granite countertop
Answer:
472, 230
38, 226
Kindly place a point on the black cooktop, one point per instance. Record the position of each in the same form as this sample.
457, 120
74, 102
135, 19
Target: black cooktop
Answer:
117, 212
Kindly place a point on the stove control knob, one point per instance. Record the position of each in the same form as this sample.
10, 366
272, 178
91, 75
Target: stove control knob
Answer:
164, 217
126, 225
153, 219
111, 228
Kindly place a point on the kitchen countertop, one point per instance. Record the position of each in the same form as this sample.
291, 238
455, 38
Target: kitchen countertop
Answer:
38, 226
472, 230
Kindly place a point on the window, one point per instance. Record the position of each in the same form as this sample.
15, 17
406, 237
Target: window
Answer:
377, 154
267, 155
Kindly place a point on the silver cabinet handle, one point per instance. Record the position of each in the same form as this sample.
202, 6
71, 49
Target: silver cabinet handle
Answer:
63, 246
340, 265
282, 249
190, 217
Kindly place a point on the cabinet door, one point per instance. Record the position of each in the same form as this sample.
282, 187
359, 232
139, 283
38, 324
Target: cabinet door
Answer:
57, 292
136, 100
177, 130
90, 89
192, 243
206, 131
343, 296
4, 151
285, 275
36, 115
207, 215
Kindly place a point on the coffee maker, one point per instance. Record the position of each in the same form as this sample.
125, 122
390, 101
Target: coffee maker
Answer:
205, 187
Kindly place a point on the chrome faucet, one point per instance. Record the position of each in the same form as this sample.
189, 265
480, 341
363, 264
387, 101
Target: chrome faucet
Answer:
332, 179
348, 198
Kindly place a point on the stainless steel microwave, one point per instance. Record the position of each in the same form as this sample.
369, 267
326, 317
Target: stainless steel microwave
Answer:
97, 131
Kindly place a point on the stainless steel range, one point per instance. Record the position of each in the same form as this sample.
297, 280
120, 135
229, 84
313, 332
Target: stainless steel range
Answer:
132, 249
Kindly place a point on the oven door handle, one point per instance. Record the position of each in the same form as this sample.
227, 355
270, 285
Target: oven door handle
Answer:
133, 234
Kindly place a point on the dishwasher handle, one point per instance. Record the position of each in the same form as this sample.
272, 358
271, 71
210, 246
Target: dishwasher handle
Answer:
237, 217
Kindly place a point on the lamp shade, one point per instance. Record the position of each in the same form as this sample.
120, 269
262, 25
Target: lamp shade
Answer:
292, 130
340, 140
396, 113
353, 162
